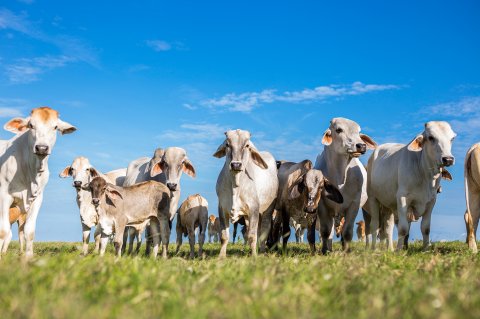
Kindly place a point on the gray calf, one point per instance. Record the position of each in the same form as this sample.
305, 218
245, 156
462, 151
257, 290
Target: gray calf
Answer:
192, 214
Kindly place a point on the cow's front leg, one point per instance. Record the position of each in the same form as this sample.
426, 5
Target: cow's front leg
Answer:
165, 234
31, 224
85, 238
97, 236
402, 206
326, 229
155, 233
224, 233
425, 226
388, 225
7, 241
118, 241
5, 227
311, 233
265, 227
252, 232
347, 233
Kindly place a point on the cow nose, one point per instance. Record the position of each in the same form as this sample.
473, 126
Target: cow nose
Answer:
95, 201
361, 147
172, 186
77, 184
236, 166
448, 161
41, 149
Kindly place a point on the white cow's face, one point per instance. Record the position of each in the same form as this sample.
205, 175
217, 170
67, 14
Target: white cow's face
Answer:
345, 138
42, 126
436, 141
81, 171
173, 163
238, 150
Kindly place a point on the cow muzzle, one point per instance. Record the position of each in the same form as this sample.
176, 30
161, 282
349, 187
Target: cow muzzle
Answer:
95, 202
41, 150
236, 166
77, 184
172, 186
448, 161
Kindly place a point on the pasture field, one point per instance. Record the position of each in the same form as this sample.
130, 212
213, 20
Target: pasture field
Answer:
59, 283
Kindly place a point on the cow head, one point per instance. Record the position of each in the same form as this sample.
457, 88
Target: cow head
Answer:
173, 163
81, 171
312, 186
345, 138
239, 150
436, 142
42, 126
102, 192
212, 219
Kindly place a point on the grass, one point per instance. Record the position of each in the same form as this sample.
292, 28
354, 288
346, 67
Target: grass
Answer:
59, 283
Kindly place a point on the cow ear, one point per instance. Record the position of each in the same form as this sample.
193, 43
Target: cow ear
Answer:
307, 165
221, 150
417, 144
297, 188
93, 172
371, 145
188, 168
257, 158
446, 175
17, 125
331, 192
112, 193
67, 171
65, 128
156, 169
327, 137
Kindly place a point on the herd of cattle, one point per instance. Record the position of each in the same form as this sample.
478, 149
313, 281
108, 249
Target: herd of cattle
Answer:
399, 186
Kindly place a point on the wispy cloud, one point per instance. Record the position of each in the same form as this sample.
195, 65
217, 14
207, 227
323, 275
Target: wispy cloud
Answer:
12, 107
465, 106
27, 70
161, 45
195, 132
246, 102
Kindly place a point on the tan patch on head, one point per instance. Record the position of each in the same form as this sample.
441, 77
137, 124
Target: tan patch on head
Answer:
212, 219
44, 114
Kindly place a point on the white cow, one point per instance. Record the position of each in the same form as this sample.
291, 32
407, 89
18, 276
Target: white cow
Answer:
472, 194
24, 168
339, 163
247, 186
166, 166
82, 172
405, 179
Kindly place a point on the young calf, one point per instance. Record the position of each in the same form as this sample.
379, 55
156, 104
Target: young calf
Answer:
119, 207
213, 229
301, 189
192, 213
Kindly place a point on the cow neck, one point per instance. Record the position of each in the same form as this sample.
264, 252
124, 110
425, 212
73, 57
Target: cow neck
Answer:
336, 166
429, 171
34, 168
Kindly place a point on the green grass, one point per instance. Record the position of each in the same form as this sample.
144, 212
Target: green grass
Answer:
59, 283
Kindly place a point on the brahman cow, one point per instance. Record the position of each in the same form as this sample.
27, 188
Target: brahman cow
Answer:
300, 191
339, 163
166, 166
406, 178
192, 214
119, 207
247, 186
24, 168
82, 172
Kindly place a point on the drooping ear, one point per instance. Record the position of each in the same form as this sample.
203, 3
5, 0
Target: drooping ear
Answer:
417, 144
306, 165
371, 145
17, 125
331, 192
65, 128
446, 175
257, 158
156, 169
297, 188
221, 150
113, 194
188, 168
67, 171
93, 172
327, 137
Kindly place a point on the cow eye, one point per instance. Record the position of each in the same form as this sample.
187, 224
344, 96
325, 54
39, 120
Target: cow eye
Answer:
339, 130
30, 126
227, 145
431, 138
56, 127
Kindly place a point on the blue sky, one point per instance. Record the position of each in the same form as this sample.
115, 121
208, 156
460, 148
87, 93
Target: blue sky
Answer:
147, 74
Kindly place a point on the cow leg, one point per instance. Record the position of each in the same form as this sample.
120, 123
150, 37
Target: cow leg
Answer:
118, 241
165, 235
5, 227
389, 225
347, 234
235, 226
472, 225
407, 237
402, 221
201, 239
179, 239
326, 228
85, 238
125, 239
265, 227
148, 240
139, 236
155, 236
373, 220
425, 225
21, 233
97, 236
191, 241
285, 231
367, 219
30, 225
224, 233
311, 234
252, 233
7, 241
132, 233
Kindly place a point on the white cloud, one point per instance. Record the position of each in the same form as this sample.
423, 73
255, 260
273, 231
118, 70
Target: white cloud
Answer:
246, 102
159, 45
465, 106
12, 107
9, 112
194, 132
28, 70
